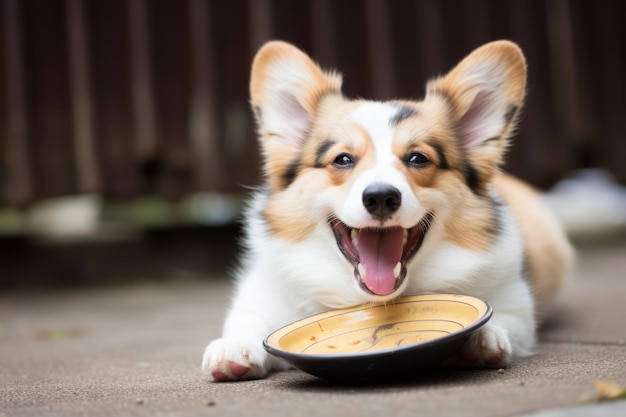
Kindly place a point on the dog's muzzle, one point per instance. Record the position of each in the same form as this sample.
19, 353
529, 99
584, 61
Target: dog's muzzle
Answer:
380, 255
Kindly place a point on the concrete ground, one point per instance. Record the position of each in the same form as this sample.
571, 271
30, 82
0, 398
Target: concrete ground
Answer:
136, 351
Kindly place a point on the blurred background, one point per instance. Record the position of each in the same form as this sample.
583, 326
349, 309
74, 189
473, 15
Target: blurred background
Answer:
127, 145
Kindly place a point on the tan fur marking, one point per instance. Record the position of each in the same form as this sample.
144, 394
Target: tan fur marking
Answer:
276, 53
422, 177
309, 85
467, 226
287, 218
470, 229
550, 255
459, 90
458, 86
350, 137
470, 219
290, 212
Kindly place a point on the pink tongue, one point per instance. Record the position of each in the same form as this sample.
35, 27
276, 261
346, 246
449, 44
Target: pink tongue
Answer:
380, 252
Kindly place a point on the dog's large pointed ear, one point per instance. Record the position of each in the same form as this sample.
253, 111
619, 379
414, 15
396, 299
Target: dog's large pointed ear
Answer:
485, 93
286, 87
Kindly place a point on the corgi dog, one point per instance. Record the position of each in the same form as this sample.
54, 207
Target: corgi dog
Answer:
367, 201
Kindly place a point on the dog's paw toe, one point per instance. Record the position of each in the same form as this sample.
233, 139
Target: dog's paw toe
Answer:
490, 346
229, 371
234, 360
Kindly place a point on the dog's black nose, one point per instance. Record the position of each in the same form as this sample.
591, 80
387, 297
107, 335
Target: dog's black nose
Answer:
381, 200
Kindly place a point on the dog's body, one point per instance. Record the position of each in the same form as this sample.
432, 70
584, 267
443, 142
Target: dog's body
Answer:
367, 201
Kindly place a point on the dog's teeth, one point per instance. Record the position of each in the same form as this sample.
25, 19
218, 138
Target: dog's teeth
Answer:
361, 269
397, 269
405, 237
354, 235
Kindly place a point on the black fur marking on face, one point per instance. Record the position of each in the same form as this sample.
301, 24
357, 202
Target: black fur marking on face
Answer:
511, 111
291, 172
495, 227
403, 113
471, 177
493, 139
443, 161
321, 153
526, 272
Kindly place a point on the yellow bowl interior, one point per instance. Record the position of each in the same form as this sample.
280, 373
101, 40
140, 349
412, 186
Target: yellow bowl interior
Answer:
406, 321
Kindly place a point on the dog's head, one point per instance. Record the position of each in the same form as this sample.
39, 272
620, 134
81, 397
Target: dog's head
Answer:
381, 176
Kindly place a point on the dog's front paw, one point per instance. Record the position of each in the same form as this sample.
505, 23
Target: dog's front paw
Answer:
490, 346
234, 360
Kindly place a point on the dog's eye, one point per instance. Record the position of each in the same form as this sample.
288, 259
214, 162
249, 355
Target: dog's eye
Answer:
417, 160
344, 160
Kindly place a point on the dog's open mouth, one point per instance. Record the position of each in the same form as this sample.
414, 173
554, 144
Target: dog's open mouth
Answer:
380, 255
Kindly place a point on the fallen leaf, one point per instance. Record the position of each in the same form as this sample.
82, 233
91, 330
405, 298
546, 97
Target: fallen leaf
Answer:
607, 391
58, 333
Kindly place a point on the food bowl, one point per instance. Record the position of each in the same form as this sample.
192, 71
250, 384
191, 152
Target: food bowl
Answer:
397, 339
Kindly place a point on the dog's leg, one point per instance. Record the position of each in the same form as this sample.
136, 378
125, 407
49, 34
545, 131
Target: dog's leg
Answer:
239, 353
239, 357
510, 333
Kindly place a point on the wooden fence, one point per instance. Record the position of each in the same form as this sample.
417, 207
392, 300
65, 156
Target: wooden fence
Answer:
135, 97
